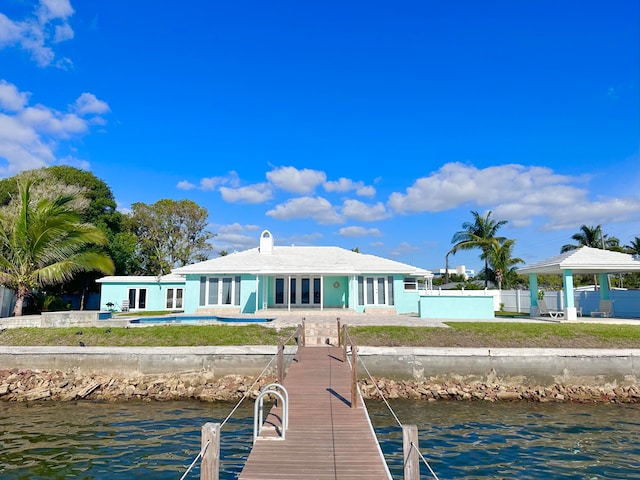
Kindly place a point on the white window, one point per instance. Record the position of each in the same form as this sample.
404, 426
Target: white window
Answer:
137, 298
297, 291
375, 290
410, 283
174, 298
216, 291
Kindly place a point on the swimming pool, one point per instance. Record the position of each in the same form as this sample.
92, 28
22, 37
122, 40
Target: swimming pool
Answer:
187, 319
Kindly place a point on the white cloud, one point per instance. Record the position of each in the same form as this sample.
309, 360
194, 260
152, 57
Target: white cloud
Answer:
184, 185
63, 33
237, 228
366, 213
31, 135
50, 121
293, 180
9, 31
257, 193
234, 237
359, 232
343, 185
49, 25
366, 191
211, 183
54, 9
516, 193
10, 98
74, 162
403, 249
88, 103
316, 208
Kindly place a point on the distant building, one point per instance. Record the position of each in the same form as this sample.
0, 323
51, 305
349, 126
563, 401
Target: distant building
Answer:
458, 270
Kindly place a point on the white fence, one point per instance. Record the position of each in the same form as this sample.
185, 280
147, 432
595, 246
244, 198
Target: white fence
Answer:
626, 303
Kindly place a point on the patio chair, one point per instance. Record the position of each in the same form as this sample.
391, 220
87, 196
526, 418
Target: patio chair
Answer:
125, 306
605, 309
544, 310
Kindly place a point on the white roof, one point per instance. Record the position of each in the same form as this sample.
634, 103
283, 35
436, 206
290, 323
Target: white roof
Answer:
169, 278
300, 260
586, 260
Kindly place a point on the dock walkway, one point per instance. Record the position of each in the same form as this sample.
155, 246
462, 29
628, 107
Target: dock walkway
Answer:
326, 438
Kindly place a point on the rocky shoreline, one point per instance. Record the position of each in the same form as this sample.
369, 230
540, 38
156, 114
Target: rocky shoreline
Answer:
23, 385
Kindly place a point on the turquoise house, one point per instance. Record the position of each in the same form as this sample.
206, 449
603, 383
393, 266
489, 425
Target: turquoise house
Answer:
273, 277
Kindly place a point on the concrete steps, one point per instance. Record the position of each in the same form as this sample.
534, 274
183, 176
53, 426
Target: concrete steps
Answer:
321, 334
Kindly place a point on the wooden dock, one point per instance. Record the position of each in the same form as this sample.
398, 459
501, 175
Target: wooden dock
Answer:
326, 438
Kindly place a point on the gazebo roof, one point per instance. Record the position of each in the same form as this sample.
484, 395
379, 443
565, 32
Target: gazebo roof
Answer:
586, 260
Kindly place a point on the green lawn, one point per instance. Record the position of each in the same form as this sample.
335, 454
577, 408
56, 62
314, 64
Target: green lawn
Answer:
471, 334
155, 336
504, 334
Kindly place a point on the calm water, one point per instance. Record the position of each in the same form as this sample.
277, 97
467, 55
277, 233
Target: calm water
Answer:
461, 440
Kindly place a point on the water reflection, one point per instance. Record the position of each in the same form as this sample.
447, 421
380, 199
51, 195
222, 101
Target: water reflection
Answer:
471, 440
475, 440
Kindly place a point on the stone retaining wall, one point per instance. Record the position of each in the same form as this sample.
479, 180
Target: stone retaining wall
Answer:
22, 385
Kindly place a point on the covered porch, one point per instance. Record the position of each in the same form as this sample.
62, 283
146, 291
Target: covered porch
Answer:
584, 260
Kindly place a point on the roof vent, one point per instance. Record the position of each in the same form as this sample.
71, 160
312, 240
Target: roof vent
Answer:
266, 242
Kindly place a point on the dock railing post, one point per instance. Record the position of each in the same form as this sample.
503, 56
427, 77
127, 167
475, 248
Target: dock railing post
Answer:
280, 361
410, 452
344, 343
210, 463
339, 332
354, 376
304, 333
299, 341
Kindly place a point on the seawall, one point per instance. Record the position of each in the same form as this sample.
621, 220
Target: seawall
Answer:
524, 366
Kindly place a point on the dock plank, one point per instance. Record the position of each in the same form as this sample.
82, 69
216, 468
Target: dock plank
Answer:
326, 438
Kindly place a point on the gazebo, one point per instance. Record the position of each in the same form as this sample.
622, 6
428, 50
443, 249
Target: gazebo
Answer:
584, 260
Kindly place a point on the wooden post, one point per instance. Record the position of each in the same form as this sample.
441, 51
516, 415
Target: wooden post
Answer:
410, 452
354, 376
304, 333
344, 343
299, 338
210, 463
280, 361
339, 332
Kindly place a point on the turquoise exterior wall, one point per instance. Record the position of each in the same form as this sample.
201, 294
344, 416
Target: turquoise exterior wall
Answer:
335, 296
339, 292
156, 294
403, 301
436, 306
192, 293
247, 294
406, 300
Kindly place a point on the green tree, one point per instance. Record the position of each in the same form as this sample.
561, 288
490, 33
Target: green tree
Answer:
170, 234
478, 234
590, 236
503, 264
43, 242
96, 204
634, 246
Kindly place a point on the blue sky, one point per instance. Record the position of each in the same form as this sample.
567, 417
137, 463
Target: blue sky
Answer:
377, 125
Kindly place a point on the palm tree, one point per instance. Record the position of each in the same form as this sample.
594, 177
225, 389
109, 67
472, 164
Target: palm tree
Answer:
590, 236
478, 234
501, 261
44, 242
634, 246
